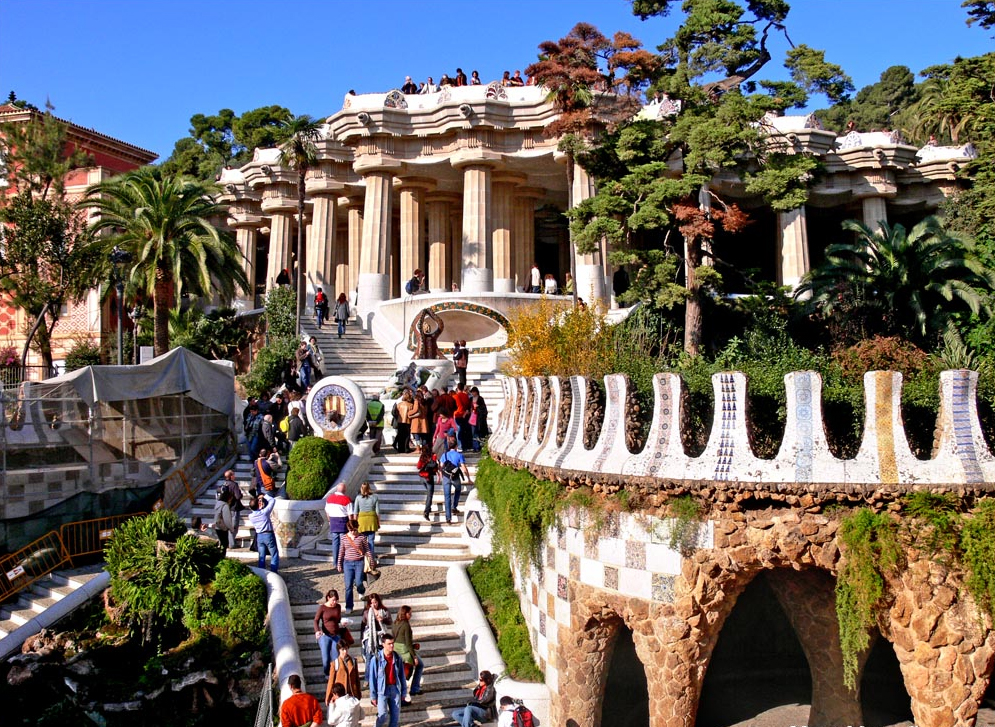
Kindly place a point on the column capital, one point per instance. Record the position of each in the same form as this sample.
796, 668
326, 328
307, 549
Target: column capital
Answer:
371, 163
323, 185
405, 182
279, 205
475, 158
505, 177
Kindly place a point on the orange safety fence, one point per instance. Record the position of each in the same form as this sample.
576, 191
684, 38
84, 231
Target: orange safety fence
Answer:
182, 485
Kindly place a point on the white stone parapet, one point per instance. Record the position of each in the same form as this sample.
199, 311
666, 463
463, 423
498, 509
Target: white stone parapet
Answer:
961, 457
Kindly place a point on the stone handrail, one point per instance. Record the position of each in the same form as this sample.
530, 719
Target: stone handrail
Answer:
530, 432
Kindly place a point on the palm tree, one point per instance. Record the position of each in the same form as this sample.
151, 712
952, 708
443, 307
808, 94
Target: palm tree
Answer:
299, 152
892, 282
164, 222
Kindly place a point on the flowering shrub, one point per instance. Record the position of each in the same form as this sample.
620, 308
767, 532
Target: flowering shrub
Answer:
9, 357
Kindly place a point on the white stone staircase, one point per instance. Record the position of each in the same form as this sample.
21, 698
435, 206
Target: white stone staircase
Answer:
41, 594
356, 355
446, 681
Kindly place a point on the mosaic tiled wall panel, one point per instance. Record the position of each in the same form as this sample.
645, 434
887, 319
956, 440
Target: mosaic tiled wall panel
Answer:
961, 457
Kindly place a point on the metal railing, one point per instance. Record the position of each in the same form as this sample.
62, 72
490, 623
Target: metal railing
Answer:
13, 376
54, 550
183, 485
264, 712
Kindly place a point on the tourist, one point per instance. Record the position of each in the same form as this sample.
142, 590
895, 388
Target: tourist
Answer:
516, 80
446, 81
317, 357
535, 278
429, 87
340, 512
376, 624
443, 425
228, 484
283, 278
474, 78
549, 284
428, 467
460, 77
342, 313
388, 687
453, 470
353, 550
464, 435
478, 418
296, 428
418, 419
259, 517
300, 709
304, 365
408, 650
320, 306
481, 707
267, 430
225, 522
461, 359
253, 430
374, 421
344, 671
402, 422
326, 629
568, 286
416, 284
506, 712
506, 78
409, 86
263, 479
368, 515
344, 710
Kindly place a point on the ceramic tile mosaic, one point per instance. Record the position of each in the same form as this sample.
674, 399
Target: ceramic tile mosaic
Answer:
561, 587
591, 546
635, 554
550, 556
542, 622
611, 577
574, 570
663, 587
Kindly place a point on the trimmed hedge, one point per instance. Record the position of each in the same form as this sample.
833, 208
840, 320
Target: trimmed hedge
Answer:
314, 464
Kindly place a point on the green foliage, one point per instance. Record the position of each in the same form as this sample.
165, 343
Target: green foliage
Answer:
219, 334
268, 366
686, 514
153, 565
232, 608
870, 549
875, 106
281, 315
83, 353
522, 509
314, 464
495, 587
977, 542
937, 515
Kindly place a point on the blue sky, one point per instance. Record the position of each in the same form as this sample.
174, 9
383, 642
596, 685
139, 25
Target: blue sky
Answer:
139, 69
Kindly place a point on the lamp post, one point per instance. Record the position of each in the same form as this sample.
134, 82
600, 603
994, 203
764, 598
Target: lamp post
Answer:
119, 258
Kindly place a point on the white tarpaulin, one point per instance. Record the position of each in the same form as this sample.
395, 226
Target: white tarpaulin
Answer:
212, 383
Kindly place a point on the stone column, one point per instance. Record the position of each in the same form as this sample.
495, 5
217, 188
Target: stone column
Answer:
374, 276
792, 250
590, 283
523, 233
319, 269
502, 200
438, 206
247, 237
412, 198
456, 245
280, 240
874, 212
354, 213
478, 273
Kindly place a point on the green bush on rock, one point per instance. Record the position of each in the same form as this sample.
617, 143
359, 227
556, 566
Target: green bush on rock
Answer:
314, 464
232, 608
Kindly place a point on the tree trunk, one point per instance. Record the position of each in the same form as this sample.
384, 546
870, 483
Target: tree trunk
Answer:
301, 287
693, 323
570, 234
161, 305
46, 345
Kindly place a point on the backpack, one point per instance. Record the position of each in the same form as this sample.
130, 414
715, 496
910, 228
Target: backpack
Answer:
409, 287
285, 425
523, 717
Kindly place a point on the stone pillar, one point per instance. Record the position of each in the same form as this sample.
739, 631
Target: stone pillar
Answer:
874, 212
280, 240
247, 237
374, 276
502, 200
354, 213
590, 282
478, 275
456, 246
809, 601
523, 233
320, 266
412, 199
792, 251
438, 207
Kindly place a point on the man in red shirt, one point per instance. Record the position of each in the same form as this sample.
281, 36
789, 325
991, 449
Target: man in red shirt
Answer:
300, 709
462, 416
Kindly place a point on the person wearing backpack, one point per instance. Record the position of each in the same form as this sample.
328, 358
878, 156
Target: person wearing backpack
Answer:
461, 359
320, 306
512, 714
416, 284
453, 470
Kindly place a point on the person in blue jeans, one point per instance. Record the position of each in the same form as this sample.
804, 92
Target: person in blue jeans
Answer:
452, 480
388, 688
259, 518
353, 550
481, 707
